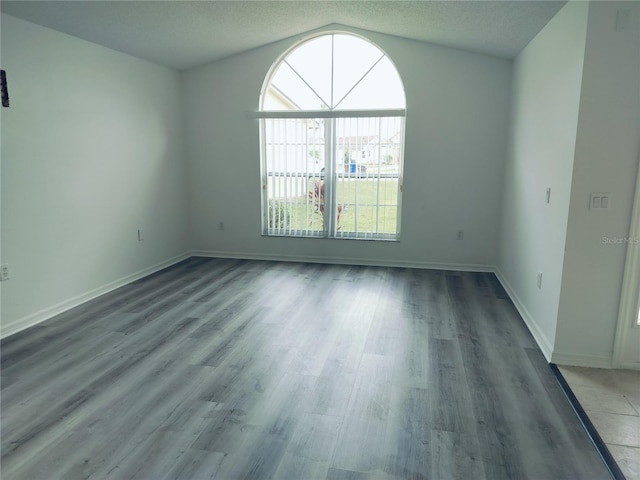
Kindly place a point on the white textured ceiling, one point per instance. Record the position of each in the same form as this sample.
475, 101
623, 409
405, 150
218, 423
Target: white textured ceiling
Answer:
185, 34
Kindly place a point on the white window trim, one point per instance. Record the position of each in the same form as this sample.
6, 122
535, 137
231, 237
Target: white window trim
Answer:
330, 212
310, 114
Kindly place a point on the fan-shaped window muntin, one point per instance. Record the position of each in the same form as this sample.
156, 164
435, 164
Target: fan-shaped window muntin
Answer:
334, 72
332, 137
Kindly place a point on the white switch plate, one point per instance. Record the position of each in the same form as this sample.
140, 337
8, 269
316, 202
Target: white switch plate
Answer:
599, 202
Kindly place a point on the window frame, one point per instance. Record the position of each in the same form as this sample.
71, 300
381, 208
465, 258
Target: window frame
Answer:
330, 224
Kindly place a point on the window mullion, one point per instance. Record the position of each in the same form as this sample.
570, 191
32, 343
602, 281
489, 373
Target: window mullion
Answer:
333, 39
400, 177
306, 180
378, 186
287, 176
264, 177
356, 199
330, 178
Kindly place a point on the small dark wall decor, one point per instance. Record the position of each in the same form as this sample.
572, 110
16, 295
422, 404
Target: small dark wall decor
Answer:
4, 88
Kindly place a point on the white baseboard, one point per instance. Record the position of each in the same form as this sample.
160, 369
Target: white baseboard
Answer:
541, 339
577, 360
373, 262
49, 312
628, 366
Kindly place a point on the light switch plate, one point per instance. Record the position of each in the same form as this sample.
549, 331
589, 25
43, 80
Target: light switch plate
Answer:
599, 202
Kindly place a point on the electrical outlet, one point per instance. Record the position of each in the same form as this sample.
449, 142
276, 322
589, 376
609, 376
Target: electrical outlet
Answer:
139, 234
4, 272
539, 279
221, 226
460, 235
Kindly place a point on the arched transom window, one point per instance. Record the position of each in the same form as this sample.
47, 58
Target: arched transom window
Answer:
332, 135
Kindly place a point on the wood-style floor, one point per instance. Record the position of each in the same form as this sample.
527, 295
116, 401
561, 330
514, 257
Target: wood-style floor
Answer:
252, 370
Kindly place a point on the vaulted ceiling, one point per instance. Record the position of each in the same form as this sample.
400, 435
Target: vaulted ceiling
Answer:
185, 34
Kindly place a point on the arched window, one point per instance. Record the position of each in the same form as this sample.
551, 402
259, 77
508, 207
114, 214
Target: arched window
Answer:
332, 135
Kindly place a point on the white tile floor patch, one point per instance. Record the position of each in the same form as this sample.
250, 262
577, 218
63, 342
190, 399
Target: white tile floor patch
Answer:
611, 399
627, 460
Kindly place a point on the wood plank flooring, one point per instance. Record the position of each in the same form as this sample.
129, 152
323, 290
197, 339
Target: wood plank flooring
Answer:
232, 369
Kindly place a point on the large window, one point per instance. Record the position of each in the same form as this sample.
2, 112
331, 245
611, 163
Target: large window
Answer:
332, 135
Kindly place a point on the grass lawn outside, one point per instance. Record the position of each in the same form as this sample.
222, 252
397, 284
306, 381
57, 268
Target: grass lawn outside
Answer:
375, 210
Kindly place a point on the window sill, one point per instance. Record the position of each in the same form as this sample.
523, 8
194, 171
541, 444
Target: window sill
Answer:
322, 237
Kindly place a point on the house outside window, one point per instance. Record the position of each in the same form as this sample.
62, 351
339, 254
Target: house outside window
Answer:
332, 115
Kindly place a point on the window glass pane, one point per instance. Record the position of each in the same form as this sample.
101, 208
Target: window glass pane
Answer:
352, 59
293, 165
364, 180
367, 94
290, 92
367, 184
388, 219
312, 61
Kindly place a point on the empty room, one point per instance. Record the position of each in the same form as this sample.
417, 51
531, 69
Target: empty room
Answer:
320, 240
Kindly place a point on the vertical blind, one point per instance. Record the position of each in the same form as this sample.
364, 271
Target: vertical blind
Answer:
336, 177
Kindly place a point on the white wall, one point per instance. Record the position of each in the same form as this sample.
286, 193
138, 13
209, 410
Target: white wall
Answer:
456, 130
544, 116
91, 150
606, 160
575, 127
